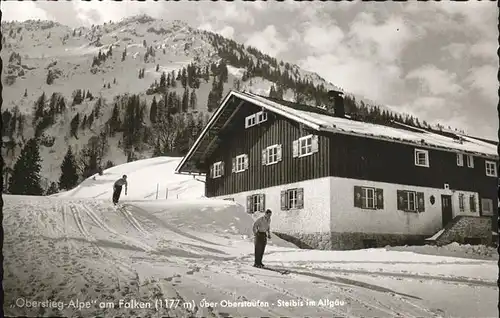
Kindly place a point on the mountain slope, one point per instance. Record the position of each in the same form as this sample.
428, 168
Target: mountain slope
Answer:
146, 179
109, 76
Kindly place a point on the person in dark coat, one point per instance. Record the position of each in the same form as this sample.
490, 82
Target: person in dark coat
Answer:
117, 188
261, 231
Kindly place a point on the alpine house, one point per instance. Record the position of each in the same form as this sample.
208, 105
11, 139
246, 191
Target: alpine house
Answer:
337, 183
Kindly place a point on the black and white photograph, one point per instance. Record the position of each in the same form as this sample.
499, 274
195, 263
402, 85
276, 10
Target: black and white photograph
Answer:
250, 159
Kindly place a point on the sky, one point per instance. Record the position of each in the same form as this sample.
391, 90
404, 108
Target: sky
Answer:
435, 60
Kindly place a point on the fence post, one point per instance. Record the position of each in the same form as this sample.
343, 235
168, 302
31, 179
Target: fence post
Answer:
157, 186
166, 194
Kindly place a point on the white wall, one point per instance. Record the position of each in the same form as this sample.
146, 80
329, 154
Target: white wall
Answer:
456, 206
329, 207
313, 218
347, 218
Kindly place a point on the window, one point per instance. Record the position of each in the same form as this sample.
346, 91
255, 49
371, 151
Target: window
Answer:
217, 170
460, 159
255, 119
292, 199
271, 155
305, 146
491, 169
368, 198
472, 203
470, 161
240, 163
421, 158
261, 117
250, 121
410, 201
461, 202
487, 206
256, 203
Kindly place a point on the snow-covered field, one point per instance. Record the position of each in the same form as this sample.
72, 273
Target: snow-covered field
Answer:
76, 255
148, 179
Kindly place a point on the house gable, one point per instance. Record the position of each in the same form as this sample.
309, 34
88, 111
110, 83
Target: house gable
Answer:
268, 149
196, 159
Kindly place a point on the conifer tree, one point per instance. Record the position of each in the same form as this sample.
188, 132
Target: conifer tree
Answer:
185, 100
39, 108
184, 78
25, 179
69, 172
153, 111
77, 97
193, 100
163, 82
75, 123
52, 189
114, 121
223, 72
272, 92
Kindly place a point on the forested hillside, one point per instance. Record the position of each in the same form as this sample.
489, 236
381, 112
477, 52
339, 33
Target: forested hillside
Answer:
113, 93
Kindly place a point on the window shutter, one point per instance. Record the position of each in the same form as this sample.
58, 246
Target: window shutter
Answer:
211, 171
262, 202
249, 204
420, 202
314, 144
233, 168
295, 148
245, 162
264, 157
283, 201
357, 197
278, 153
222, 168
379, 199
402, 199
300, 198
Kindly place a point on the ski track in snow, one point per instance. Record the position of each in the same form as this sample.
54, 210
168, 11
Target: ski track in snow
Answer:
128, 215
371, 304
79, 249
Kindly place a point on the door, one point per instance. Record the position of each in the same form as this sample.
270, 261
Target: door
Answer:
447, 211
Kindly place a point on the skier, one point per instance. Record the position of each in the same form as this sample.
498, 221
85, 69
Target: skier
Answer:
262, 231
117, 188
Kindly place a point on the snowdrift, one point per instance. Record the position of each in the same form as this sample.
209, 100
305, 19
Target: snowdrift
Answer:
147, 179
452, 250
220, 221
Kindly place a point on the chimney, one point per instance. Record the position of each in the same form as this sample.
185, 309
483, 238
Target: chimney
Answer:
337, 99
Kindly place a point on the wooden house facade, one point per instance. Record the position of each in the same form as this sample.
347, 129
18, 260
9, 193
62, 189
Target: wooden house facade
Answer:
332, 182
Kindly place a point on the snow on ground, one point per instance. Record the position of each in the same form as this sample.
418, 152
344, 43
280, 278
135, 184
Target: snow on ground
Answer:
77, 247
67, 249
454, 250
145, 179
236, 72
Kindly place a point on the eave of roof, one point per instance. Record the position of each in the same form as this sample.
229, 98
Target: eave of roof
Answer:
308, 121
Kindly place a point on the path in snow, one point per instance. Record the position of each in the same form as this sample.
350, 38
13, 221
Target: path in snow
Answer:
66, 250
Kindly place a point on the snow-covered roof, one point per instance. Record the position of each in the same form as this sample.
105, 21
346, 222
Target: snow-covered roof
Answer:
319, 121
343, 125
